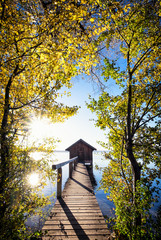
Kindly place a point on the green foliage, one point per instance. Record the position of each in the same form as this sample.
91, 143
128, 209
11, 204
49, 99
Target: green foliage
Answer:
132, 114
20, 198
111, 70
126, 212
43, 45
157, 224
117, 182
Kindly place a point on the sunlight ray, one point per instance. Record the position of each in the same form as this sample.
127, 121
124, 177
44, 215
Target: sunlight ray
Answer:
33, 179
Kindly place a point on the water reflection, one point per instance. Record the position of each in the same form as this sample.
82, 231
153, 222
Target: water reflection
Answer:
106, 206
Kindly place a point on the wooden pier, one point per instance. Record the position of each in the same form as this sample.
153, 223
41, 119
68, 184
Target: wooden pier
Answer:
76, 214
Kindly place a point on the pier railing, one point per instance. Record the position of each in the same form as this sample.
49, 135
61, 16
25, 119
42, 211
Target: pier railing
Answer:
72, 164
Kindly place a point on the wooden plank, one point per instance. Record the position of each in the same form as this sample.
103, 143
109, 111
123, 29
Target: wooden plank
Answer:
70, 205
73, 207
77, 219
80, 221
75, 226
77, 232
98, 237
85, 212
76, 215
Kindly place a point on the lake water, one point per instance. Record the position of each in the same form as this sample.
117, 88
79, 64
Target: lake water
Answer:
106, 206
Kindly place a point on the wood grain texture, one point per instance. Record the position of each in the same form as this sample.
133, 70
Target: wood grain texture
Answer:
77, 214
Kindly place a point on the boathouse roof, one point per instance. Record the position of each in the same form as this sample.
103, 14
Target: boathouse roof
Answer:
80, 141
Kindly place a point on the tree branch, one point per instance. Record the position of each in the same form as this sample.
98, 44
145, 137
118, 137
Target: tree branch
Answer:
22, 55
150, 119
146, 111
144, 55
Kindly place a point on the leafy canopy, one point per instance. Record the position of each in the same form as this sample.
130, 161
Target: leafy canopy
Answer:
131, 114
43, 45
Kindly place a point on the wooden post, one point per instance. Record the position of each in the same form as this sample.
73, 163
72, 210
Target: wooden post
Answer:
59, 182
75, 163
59, 173
70, 169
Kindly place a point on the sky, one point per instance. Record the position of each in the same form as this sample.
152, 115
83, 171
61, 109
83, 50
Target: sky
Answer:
77, 127
80, 126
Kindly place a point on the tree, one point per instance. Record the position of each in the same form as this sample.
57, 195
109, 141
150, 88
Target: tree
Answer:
43, 45
133, 115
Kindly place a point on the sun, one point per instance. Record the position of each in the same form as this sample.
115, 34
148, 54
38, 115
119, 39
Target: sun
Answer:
40, 128
34, 179
36, 156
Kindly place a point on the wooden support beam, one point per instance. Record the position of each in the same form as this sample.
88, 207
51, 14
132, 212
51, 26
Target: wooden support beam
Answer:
59, 182
70, 169
75, 164
59, 173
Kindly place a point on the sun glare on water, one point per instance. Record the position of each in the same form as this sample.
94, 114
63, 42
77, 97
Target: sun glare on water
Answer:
33, 179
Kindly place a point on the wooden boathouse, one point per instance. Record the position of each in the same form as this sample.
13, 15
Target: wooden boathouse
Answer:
83, 150
76, 214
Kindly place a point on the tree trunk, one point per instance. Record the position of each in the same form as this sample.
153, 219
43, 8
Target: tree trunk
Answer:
4, 143
4, 140
4, 151
136, 170
129, 142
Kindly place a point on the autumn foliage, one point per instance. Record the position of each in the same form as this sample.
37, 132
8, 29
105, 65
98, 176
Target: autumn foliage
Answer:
46, 43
